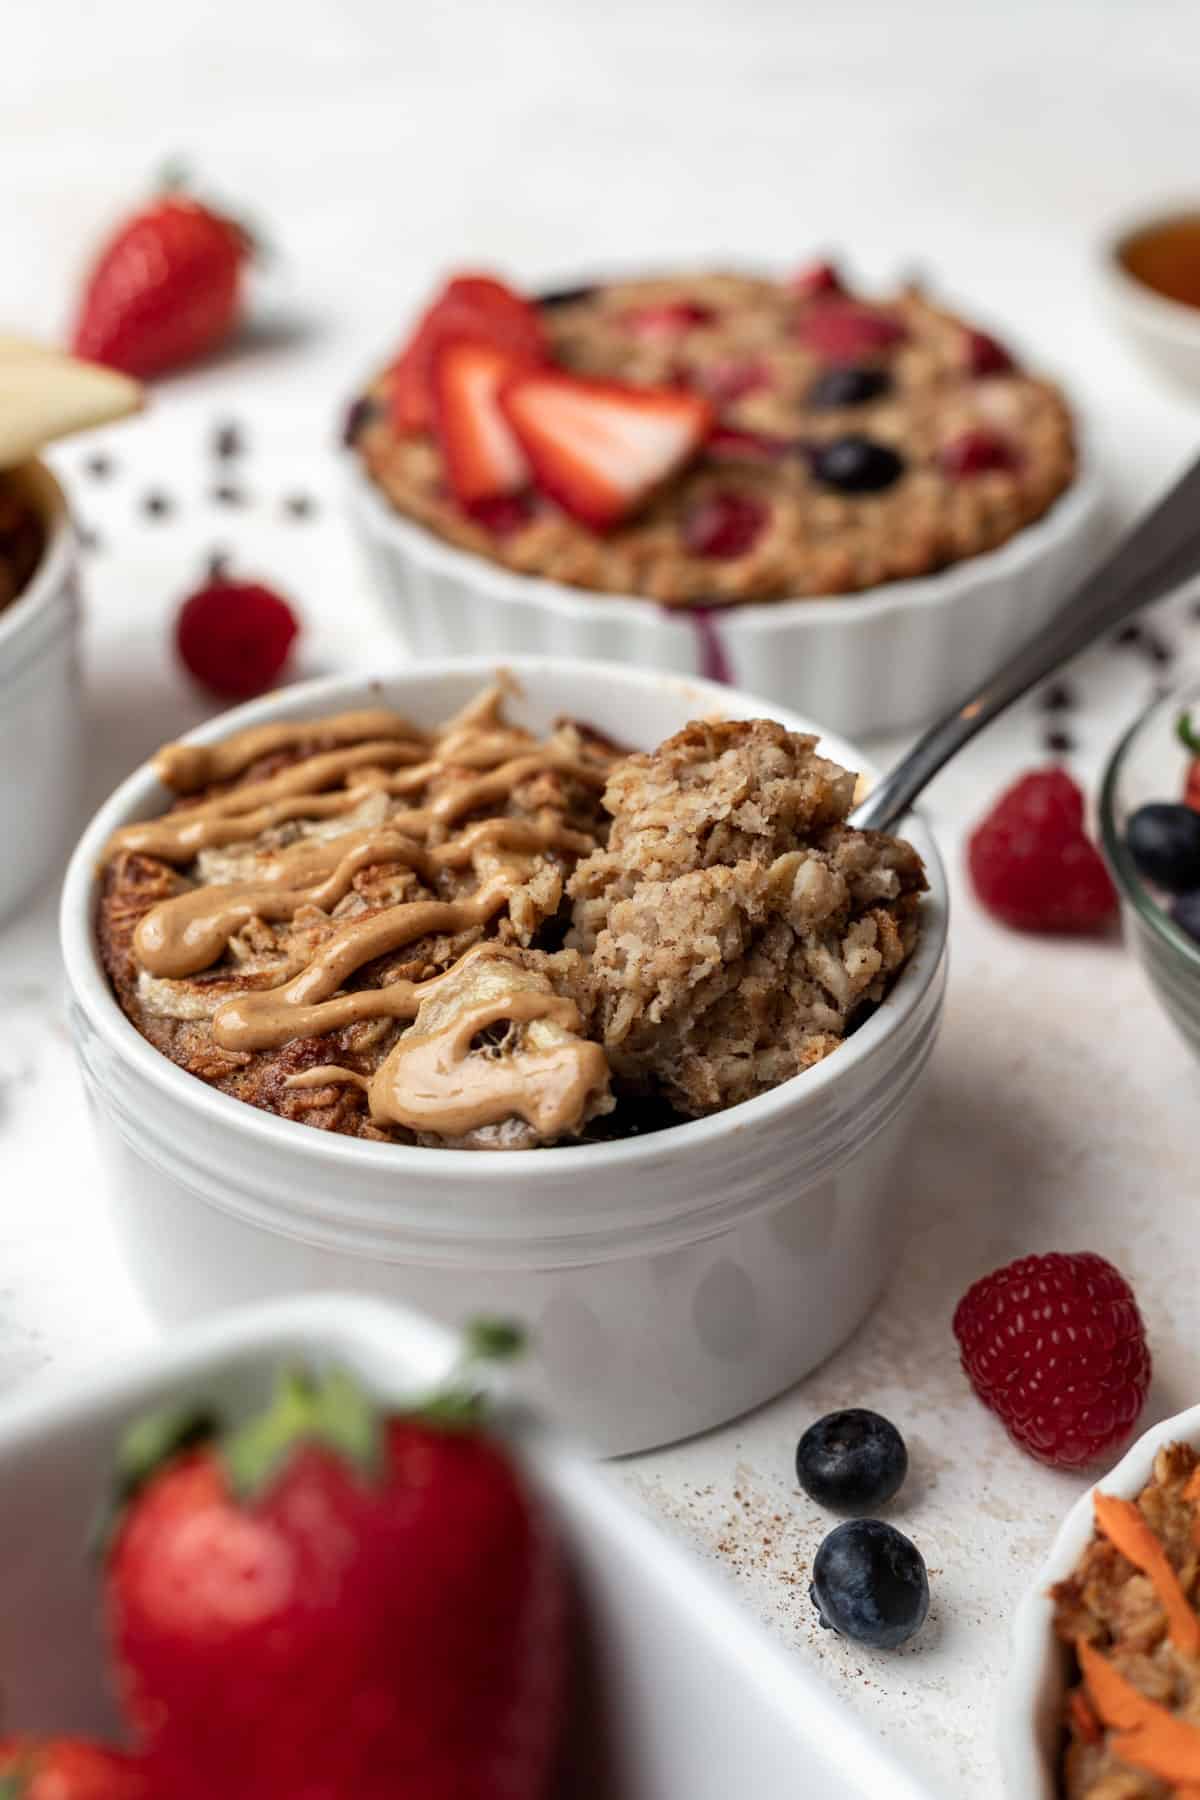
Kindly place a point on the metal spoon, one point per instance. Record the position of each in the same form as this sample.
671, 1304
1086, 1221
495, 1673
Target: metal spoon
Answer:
1161, 551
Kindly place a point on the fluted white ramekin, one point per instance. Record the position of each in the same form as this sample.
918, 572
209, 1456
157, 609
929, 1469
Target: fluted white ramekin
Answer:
680, 1686
880, 661
40, 706
672, 1280
1031, 1709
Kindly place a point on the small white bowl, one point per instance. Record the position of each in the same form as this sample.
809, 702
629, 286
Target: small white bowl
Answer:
40, 706
682, 1689
1032, 1698
885, 660
1164, 331
672, 1280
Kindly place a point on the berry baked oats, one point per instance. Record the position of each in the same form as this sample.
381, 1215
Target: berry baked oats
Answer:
712, 438
22, 540
1129, 1613
482, 938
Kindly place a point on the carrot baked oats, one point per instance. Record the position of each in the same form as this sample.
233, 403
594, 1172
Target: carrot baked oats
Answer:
712, 438
1129, 1614
478, 937
21, 540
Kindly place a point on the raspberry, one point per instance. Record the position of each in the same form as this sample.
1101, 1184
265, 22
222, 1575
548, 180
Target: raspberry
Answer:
845, 332
1056, 1347
235, 637
985, 355
1032, 866
819, 280
723, 525
668, 320
976, 453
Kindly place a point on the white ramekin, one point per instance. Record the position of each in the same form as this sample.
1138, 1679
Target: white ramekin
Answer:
682, 1687
862, 663
672, 1281
40, 706
1165, 332
1030, 1716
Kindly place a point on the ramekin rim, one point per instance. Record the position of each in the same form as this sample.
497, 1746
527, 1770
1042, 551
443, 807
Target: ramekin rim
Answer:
1033, 1641
1077, 506
89, 988
46, 583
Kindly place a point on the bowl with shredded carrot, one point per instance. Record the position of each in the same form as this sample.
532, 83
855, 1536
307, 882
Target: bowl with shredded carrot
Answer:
1103, 1697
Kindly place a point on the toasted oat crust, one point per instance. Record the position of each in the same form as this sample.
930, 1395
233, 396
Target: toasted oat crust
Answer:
818, 541
1110, 1604
723, 934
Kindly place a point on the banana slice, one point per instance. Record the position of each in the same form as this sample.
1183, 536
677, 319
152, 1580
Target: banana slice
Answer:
47, 394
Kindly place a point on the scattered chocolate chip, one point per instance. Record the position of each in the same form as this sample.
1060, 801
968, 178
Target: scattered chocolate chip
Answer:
1157, 649
1058, 697
359, 416
225, 494
228, 442
299, 506
99, 466
1061, 743
565, 296
156, 504
1195, 609
1128, 634
217, 566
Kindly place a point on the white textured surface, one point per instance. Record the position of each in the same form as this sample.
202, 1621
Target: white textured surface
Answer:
379, 141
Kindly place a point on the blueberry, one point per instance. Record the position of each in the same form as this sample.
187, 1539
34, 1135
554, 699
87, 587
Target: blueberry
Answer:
1164, 842
856, 465
869, 1584
848, 386
852, 1461
1186, 913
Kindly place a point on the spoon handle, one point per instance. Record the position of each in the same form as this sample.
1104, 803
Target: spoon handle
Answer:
1160, 551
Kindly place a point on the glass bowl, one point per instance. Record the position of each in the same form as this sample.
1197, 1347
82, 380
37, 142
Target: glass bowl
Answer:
1150, 763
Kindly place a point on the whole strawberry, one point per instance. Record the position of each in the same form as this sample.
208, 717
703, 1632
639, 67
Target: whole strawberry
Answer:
165, 289
329, 1602
65, 1768
1056, 1347
1032, 864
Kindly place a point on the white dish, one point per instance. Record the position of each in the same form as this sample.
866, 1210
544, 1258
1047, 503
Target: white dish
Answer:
867, 663
673, 1280
1031, 1702
1164, 331
686, 1694
40, 707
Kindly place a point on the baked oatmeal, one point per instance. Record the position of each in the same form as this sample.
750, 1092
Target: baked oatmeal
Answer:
22, 540
712, 439
1129, 1614
483, 938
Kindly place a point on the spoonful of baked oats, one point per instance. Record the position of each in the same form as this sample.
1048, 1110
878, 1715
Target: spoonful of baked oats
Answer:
482, 938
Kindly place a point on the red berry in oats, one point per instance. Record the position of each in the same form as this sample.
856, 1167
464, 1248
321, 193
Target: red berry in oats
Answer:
1055, 1346
845, 332
1031, 863
724, 524
725, 382
668, 320
977, 452
729, 443
234, 637
986, 355
503, 514
818, 280
164, 290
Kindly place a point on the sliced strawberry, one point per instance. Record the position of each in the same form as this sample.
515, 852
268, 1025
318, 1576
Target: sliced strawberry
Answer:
482, 456
476, 306
599, 447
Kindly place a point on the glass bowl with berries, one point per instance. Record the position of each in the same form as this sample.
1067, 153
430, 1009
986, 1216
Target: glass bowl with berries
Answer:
1150, 825
856, 503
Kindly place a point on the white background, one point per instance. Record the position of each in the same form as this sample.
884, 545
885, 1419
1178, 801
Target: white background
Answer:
379, 143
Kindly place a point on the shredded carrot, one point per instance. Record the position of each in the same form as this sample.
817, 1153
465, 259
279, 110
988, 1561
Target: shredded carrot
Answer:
1087, 1725
1124, 1526
1149, 1737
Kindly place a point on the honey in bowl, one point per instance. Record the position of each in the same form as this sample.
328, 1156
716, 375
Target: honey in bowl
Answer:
1166, 258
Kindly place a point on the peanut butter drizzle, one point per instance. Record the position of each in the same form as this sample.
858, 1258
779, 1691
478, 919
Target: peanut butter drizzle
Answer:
430, 1081
185, 768
328, 1075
